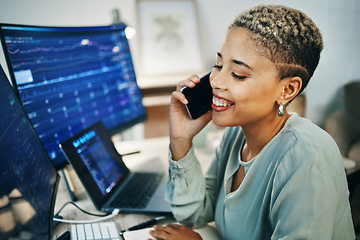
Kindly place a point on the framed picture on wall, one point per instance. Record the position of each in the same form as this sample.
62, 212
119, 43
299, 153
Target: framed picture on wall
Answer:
168, 37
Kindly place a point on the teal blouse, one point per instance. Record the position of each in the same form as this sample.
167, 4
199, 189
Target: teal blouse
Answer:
295, 188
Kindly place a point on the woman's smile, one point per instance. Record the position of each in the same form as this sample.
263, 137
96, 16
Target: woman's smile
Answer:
221, 104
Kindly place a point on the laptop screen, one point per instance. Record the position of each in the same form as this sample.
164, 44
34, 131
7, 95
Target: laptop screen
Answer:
28, 178
96, 161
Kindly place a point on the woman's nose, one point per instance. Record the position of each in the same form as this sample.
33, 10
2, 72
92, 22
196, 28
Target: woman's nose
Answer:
218, 81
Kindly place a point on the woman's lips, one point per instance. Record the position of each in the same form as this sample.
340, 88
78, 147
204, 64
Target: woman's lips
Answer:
221, 104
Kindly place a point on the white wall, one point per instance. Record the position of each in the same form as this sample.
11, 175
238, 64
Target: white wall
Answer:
337, 19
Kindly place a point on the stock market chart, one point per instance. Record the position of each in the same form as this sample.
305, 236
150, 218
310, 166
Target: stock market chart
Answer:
70, 78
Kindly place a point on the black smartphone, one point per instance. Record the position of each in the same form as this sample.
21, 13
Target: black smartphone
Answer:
199, 97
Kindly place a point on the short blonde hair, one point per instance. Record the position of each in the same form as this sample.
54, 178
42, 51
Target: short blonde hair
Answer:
286, 36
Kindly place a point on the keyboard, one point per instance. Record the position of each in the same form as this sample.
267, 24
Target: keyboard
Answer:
138, 192
93, 231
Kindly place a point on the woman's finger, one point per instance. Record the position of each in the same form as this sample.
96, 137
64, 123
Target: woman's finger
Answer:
174, 226
189, 82
179, 96
160, 232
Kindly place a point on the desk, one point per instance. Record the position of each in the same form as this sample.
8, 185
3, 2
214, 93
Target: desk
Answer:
153, 156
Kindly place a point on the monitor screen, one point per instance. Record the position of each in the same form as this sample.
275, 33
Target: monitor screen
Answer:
27, 176
68, 78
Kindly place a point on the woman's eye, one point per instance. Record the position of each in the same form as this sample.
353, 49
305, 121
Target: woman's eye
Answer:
238, 77
218, 67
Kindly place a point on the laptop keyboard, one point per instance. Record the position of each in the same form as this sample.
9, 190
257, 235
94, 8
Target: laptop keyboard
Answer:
101, 231
138, 192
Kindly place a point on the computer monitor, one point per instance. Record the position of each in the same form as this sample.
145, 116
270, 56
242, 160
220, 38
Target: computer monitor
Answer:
68, 78
27, 176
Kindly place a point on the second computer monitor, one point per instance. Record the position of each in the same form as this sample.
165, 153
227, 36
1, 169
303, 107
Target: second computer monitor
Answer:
68, 78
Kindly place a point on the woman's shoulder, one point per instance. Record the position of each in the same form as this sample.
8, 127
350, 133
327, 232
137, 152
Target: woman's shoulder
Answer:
307, 133
309, 142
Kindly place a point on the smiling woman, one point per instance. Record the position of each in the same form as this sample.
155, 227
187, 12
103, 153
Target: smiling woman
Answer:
270, 163
248, 80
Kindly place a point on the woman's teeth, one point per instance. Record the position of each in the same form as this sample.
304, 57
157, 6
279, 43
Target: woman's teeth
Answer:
221, 102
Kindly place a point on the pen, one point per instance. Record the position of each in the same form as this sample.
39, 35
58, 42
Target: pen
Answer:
144, 224
130, 153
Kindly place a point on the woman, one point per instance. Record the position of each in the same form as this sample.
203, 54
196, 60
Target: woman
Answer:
275, 175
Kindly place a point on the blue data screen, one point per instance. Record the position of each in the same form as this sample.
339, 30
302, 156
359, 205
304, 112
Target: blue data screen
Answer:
99, 162
70, 78
28, 178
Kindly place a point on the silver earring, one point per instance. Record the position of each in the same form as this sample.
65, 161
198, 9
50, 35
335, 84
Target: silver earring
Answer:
281, 110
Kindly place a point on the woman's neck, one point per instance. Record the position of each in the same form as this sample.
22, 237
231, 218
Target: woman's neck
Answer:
258, 135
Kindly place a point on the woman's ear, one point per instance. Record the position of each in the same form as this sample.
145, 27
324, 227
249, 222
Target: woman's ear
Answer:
290, 89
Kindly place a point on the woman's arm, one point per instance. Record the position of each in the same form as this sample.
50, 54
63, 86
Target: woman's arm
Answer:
192, 195
182, 127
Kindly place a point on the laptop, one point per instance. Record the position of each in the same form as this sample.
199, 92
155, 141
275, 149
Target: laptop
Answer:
107, 180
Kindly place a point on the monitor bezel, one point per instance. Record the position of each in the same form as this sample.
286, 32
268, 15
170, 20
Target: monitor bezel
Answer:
53, 202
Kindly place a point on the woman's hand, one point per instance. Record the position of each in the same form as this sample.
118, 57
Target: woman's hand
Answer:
174, 232
182, 127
